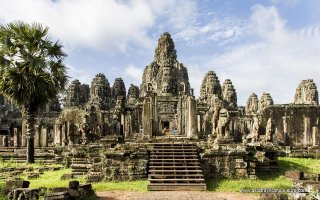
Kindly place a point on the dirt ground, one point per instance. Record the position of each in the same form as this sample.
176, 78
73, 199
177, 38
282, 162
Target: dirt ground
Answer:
175, 195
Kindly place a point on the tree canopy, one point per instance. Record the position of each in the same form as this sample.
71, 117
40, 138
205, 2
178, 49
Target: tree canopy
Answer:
31, 65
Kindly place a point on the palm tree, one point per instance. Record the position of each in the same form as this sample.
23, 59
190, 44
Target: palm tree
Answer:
31, 71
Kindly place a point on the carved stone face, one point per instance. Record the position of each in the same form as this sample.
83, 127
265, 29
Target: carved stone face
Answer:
165, 88
210, 84
166, 80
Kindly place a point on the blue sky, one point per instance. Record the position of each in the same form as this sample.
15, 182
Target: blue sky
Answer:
262, 46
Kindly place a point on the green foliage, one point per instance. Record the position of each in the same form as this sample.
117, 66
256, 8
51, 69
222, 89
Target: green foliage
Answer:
2, 195
31, 68
302, 164
75, 115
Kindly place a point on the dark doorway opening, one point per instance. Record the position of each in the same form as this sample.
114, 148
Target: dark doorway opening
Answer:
165, 124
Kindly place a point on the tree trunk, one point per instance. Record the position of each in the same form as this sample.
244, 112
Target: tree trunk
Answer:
30, 120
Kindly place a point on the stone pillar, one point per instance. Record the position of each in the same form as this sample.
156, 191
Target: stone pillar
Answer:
5, 141
69, 135
128, 127
315, 136
57, 134
37, 133
285, 128
63, 134
199, 122
192, 118
306, 132
23, 133
16, 137
44, 136
147, 116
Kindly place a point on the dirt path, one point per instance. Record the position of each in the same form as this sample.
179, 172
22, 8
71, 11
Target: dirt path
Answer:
174, 195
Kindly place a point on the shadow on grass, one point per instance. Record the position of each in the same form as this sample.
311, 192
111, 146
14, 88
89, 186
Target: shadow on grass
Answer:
284, 166
212, 185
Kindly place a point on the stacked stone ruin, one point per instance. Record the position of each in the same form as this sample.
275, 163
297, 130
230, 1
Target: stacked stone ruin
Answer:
164, 108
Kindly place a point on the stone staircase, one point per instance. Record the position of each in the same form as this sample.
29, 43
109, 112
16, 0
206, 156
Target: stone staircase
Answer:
175, 166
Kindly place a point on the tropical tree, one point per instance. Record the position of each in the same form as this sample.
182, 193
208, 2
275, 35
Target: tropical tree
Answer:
31, 71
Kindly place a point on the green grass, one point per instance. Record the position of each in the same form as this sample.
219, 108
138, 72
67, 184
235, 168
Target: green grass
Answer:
51, 179
302, 164
269, 180
230, 185
2, 196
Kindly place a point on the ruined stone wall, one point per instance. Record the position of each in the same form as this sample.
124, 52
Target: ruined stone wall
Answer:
224, 161
295, 125
236, 160
125, 162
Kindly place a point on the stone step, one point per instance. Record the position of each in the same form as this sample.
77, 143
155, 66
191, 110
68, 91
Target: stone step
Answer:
161, 176
176, 180
174, 159
175, 164
175, 187
175, 170
173, 156
173, 152
174, 147
174, 167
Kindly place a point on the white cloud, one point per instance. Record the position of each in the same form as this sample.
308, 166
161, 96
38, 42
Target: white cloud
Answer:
217, 30
84, 75
96, 24
290, 2
134, 73
275, 64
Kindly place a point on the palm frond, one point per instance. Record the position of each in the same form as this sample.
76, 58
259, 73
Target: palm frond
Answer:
31, 65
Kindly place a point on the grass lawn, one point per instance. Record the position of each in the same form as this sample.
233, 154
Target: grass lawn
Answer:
270, 180
51, 179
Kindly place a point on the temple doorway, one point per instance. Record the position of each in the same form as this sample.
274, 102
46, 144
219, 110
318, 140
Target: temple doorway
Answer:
165, 124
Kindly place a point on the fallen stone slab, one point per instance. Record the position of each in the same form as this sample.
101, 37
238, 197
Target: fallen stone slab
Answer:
295, 175
12, 184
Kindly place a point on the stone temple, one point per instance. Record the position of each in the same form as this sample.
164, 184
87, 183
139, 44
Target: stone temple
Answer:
165, 99
164, 108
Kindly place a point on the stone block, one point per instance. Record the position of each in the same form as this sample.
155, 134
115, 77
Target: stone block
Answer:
57, 196
59, 190
86, 186
11, 184
241, 165
73, 193
74, 185
33, 175
295, 175
310, 176
253, 164
66, 176
241, 172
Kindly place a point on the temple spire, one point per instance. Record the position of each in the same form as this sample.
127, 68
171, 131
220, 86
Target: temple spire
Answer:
165, 52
